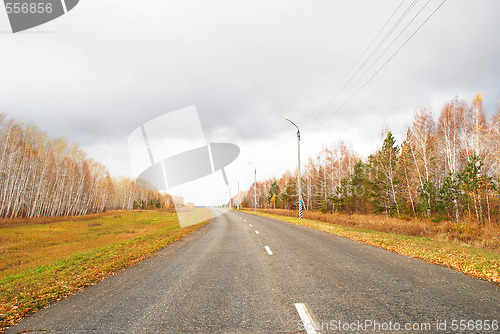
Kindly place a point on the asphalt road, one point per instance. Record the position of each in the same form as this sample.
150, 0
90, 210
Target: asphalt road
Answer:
223, 279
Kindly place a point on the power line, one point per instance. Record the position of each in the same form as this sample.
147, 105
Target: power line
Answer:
391, 30
388, 47
357, 61
383, 65
395, 25
318, 115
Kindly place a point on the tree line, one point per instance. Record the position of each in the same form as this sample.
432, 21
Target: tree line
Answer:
449, 169
41, 176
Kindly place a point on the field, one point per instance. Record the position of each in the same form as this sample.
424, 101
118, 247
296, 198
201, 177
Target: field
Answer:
471, 252
43, 260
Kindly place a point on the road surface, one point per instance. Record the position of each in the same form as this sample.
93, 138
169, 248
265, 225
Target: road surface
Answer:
247, 274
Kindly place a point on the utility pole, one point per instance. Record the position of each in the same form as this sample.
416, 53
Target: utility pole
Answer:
299, 177
255, 187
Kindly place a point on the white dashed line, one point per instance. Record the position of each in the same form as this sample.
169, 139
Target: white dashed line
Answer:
306, 318
256, 232
268, 250
250, 225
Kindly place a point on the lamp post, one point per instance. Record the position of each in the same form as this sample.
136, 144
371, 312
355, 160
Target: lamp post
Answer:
298, 176
255, 187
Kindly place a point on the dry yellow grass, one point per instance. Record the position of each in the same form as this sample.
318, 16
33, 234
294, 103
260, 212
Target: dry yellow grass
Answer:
41, 261
468, 259
469, 233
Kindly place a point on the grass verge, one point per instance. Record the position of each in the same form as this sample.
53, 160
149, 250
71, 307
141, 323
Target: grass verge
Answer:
41, 263
476, 262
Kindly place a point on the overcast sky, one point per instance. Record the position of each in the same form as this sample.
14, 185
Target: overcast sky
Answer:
100, 71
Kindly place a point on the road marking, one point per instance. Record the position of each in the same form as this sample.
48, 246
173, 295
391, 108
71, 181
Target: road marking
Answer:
268, 250
256, 232
250, 225
306, 318
244, 220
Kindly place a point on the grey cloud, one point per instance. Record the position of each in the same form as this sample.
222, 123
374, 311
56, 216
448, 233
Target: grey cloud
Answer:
111, 66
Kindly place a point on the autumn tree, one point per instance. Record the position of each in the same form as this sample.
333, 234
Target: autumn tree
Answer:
446, 169
406, 167
40, 176
273, 194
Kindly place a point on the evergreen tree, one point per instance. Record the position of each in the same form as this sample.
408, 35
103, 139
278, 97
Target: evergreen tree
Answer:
387, 179
473, 182
357, 200
289, 195
449, 196
427, 197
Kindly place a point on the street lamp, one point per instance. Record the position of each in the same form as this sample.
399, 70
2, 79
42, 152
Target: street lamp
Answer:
298, 176
255, 187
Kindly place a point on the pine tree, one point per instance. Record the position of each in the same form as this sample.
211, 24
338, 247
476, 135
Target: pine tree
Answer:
449, 196
472, 182
289, 196
358, 194
388, 180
